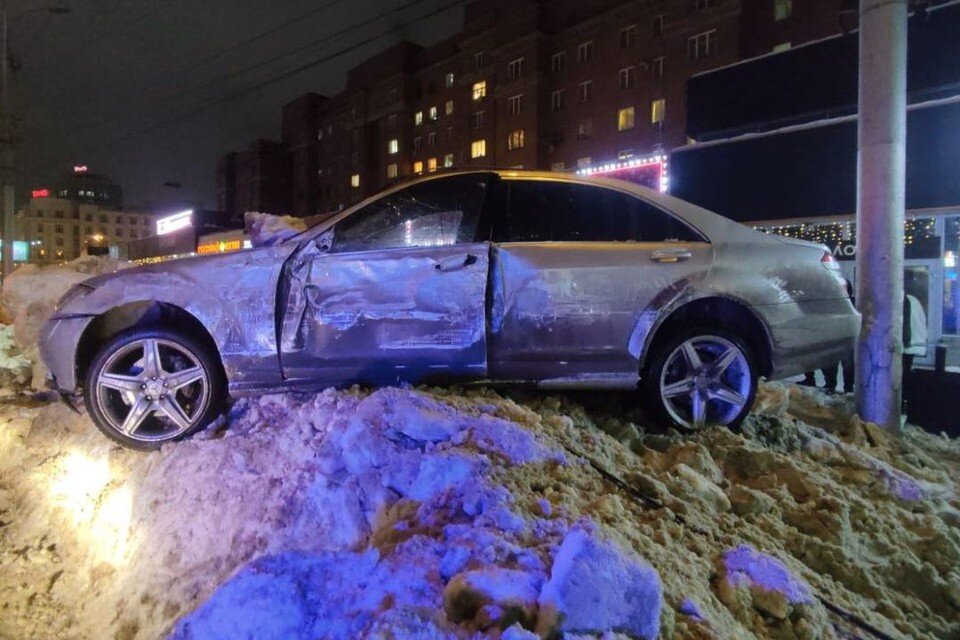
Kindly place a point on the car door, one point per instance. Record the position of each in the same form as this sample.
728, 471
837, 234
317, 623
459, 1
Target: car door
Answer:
395, 291
574, 269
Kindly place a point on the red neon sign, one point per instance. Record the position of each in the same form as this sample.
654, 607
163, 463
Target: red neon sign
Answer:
41, 193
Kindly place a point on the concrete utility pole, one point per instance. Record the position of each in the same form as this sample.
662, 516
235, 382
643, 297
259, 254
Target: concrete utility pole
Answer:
881, 142
6, 155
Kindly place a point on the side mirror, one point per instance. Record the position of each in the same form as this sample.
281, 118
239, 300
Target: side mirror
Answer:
324, 241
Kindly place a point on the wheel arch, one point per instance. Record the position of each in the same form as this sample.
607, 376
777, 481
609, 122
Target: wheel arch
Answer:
141, 313
719, 311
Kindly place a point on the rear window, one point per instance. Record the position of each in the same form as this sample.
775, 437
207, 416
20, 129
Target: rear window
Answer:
543, 210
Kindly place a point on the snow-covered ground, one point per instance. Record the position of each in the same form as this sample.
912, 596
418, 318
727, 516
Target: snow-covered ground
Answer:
451, 513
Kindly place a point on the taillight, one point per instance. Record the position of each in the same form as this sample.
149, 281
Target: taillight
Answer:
829, 262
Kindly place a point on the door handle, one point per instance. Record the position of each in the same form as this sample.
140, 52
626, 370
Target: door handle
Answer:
670, 255
455, 262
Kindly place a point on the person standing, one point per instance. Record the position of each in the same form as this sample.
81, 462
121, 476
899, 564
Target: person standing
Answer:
914, 333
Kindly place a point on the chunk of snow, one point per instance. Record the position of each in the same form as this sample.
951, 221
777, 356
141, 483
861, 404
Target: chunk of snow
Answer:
265, 229
595, 586
501, 594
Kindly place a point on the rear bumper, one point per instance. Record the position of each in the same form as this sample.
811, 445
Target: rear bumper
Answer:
810, 335
58, 342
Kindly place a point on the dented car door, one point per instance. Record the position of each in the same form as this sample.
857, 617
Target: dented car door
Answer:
395, 292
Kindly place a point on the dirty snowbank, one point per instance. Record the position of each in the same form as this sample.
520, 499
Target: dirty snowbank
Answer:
441, 513
31, 293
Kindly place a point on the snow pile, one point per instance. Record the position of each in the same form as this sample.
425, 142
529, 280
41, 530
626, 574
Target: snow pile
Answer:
16, 369
31, 294
439, 513
265, 229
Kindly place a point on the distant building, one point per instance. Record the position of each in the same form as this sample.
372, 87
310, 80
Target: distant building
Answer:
301, 121
176, 234
81, 185
255, 179
60, 229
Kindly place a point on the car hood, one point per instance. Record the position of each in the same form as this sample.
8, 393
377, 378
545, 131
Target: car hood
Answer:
193, 267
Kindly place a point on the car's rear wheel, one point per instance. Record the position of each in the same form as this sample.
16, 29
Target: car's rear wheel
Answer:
148, 386
701, 376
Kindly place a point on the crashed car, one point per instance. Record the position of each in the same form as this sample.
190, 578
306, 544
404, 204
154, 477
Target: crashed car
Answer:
483, 276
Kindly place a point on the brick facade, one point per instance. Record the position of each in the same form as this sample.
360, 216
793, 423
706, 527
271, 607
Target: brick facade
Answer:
527, 83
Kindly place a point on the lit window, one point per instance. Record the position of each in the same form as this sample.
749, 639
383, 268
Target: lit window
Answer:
448, 80
628, 78
515, 69
556, 100
355, 180
702, 45
628, 36
515, 104
448, 160
515, 140
558, 61
393, 147
392, 171
657, 110
433, 113
585, 52
625, 119
418, 117
584, 162
782, 9
656, 67
478, 148
480, 90
585, 90
431, 164
558, 166
448, 108
418, 167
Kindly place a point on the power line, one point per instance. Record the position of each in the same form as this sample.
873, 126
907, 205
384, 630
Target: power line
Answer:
299, 49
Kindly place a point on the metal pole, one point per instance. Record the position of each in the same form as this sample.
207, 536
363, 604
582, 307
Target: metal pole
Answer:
881, 141
8, 151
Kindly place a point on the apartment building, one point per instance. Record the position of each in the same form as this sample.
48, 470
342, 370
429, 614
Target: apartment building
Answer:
559, 85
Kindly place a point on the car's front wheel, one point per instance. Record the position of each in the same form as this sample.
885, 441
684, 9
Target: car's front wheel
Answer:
148, 386
701, 376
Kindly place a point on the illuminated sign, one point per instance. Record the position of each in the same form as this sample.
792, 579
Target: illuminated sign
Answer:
79, 168
41, 193
650, 171
220, 247
175, 222
21, 250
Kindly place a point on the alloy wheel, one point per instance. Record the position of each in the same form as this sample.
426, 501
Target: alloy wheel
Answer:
152, 389
706, 379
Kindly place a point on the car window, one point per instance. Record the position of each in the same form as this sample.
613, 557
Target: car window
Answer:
543, 210
428, 214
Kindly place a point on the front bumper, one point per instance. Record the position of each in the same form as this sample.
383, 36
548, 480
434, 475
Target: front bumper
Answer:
59, 339
810, 335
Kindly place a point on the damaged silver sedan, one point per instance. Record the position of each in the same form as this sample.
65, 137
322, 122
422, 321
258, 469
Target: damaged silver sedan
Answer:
488, 276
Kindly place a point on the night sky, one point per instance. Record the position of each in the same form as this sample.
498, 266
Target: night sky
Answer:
107, 84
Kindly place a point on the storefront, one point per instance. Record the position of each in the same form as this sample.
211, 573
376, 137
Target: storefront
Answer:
931, 247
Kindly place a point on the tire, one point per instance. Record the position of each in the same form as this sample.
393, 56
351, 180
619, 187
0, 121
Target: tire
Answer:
678, 394
135, 403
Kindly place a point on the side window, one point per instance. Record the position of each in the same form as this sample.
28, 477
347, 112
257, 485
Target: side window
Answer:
438, 212
558, 211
